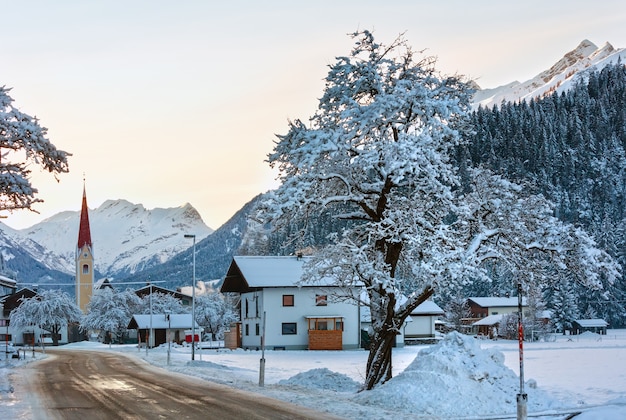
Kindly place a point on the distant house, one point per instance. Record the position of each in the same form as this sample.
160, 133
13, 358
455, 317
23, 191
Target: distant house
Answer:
23, 336
422, 321
481, 307
162, 326
151, 288
593, 325
294, 316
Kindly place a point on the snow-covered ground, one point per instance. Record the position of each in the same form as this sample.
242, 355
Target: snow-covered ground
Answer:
460, 377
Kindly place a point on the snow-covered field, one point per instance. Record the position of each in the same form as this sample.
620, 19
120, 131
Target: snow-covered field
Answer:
461, 377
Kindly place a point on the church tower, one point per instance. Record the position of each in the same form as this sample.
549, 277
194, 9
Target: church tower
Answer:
84, 259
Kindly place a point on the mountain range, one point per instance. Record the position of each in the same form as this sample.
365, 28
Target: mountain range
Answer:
134, 244
558, 78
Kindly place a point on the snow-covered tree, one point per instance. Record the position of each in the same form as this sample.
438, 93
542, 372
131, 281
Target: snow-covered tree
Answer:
563, 305
160, 303
50, 310
215, 312
23, 143
377, 154
457, 308
110, 311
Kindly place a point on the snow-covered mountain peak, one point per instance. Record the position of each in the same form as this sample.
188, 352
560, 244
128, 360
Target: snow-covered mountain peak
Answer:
127, 237
559, 77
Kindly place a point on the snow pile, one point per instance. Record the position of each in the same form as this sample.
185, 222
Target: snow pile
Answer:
456, 378
324, 379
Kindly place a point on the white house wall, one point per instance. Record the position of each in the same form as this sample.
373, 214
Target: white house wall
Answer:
420, 326
271, 302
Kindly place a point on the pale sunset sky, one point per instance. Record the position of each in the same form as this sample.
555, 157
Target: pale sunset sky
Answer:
163, 103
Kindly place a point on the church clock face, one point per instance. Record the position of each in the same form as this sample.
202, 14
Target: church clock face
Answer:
85, 255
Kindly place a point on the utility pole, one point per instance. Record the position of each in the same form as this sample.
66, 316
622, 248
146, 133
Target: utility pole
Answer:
193, 300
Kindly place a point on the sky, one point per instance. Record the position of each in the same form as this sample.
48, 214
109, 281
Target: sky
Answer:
164, 103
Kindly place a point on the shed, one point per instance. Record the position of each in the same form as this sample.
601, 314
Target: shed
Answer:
488, 325
422, 321
595, 325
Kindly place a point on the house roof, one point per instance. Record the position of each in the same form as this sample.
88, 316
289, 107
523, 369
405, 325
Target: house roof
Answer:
177, 321
490, 302
489, 320
428, 308
152, 288
7, 282
248, 273
590, 323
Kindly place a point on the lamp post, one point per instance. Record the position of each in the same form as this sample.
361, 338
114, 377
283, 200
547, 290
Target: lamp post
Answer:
193, 300
169, 340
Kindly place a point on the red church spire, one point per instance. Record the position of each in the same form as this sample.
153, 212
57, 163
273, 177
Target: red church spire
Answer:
84, 233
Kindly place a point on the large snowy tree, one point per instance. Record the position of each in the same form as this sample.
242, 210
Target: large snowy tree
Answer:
110, 311
51, 310
159, 303
377, 154
23, 143
215, 312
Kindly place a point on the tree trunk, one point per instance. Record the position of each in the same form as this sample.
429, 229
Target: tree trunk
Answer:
379, 360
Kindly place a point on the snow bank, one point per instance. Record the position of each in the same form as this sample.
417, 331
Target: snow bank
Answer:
323, 378
456, 378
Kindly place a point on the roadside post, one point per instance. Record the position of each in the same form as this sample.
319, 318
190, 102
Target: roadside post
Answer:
522, 397
262, 367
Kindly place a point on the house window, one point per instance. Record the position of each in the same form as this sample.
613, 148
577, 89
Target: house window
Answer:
322, 325
494, 313
287, 300
246, 307
290, 328
257, 329
85, 268
339, 325
256, 307
247, 329
320, 300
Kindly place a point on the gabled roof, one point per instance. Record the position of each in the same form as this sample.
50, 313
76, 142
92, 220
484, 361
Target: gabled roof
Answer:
12, 301
590, 323
151, 288
159, 322
7, 282
489, 320
490, 302
255, 272
428, 308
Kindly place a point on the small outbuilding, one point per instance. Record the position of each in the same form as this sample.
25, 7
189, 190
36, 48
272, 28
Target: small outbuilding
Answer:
421, 322
596, 325
164, 327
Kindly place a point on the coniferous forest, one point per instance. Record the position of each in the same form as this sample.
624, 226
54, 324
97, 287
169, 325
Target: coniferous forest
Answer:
571, 147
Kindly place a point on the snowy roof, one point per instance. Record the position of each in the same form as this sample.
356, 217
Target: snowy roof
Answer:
7, 282
257, 272
489, 320
178, 321
589, 323
428, 308
490, 302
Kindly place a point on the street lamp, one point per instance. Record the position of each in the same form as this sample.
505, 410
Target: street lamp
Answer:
193, 300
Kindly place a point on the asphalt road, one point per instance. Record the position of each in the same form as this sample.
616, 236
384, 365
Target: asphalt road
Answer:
90, 385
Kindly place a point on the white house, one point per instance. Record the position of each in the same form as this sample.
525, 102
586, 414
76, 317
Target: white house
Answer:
422, 320
294, 316
162, 328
